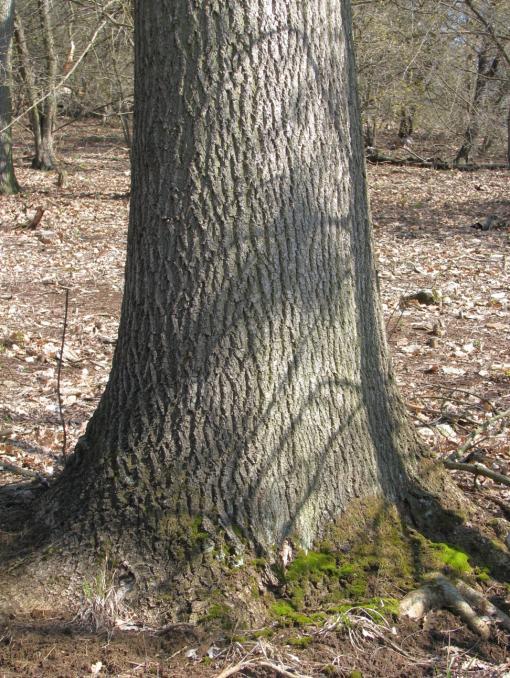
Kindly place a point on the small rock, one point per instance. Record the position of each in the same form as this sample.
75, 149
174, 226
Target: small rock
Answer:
431, 297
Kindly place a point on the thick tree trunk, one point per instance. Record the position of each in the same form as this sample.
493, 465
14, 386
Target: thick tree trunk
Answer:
8, 183
250, 385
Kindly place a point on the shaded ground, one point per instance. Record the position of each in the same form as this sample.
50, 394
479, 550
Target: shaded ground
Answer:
451, 357
50, 648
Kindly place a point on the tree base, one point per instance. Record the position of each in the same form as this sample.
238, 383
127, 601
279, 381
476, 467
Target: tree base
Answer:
202, 573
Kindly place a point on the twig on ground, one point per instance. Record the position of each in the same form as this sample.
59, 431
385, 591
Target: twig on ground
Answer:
279, 670
459, 390
20, 471
59, 370
478, 469
471, 439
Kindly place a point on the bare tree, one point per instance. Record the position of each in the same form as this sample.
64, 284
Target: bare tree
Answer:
8, 183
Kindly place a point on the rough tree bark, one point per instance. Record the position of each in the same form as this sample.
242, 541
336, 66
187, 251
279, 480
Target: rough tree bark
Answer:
8, 183
250, 392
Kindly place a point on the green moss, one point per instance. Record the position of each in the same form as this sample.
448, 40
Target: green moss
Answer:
300, 641
385, 606
196, 532
311, 564
454, 559
220, 613
357, 588
339, 609
183, 534
363, 553
482, 574
263, 633
284, 611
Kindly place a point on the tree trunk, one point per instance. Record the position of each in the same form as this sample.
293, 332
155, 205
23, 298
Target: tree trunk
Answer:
250, 382
44, 158
406, 124
508, 136
42, 114
487, 67
28, 78
8, 183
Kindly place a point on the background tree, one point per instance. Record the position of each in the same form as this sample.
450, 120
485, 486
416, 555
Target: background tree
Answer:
76, 62
8, 183
419, 69
42, 106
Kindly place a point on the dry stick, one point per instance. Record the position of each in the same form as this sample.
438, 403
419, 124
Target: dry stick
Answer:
478, 469
460, 390
470, 440
25, 472
280, 670
59, 370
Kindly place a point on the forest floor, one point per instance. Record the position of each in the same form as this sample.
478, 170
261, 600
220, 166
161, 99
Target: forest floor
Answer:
451, 357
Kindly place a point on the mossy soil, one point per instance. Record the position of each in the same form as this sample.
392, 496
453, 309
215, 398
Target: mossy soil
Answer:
369, 560
363, 565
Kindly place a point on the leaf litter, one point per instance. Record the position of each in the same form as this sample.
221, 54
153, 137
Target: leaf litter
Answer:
450, 356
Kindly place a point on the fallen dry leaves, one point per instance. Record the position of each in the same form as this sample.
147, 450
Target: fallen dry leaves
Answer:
451, 355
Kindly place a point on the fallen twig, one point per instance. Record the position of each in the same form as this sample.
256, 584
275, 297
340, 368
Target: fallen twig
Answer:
434, 163
471, 439
478, 469
458, 390
20, 471
34, 222
279, 670
59, 370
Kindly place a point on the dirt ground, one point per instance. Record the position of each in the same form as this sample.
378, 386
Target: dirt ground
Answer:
451, 356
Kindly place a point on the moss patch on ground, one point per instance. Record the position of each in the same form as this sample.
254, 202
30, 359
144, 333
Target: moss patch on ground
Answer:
366, 560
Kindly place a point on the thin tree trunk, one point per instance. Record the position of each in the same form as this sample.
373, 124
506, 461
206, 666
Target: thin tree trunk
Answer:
8, 182
28, 78
508, 136
486, 70
45, 156
406, 125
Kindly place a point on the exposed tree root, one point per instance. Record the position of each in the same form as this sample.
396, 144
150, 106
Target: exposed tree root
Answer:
464, 601
477, 600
